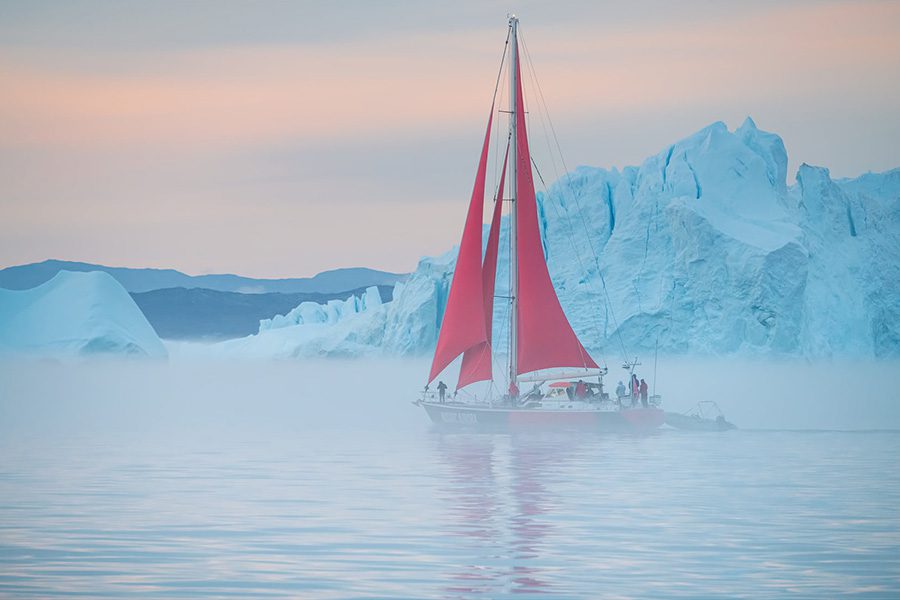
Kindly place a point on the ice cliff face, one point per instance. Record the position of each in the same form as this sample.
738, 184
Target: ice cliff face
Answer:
358, 326
701, 253
308, 313
852, 233
704, 247
75, 314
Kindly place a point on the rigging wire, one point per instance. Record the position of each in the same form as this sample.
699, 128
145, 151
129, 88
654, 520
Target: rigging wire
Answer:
502, 61
496, 199
574, 196
497, 87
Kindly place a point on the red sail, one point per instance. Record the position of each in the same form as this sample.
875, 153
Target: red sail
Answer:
545, 337
476, 363
463, 326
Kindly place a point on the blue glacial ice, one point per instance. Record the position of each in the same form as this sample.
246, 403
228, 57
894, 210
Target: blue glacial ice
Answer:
75, 314
704, 248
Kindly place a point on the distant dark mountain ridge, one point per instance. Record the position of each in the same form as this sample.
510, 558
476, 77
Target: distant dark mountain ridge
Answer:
201, 314
143, 280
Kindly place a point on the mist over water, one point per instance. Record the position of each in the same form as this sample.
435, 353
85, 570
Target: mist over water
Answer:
319, 479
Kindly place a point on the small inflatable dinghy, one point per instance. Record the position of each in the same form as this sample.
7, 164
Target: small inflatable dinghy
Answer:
706, 416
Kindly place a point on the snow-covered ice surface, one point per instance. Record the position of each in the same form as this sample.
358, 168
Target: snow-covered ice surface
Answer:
704, 247
75, 314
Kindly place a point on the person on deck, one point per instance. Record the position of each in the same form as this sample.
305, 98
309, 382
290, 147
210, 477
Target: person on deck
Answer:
644, 393
442, 390
635, 389
580, 390
620, 393
534, 393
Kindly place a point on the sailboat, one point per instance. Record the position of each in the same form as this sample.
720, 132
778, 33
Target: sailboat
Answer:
564, 385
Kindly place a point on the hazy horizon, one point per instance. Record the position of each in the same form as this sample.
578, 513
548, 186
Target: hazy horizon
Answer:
190, 273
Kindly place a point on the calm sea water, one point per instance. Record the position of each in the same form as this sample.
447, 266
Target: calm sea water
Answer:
197, 485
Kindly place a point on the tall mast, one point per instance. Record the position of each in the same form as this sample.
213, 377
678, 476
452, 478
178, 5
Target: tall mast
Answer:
513, 194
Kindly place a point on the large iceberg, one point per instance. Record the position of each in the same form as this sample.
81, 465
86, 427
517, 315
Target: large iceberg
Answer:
75, 314
703, 249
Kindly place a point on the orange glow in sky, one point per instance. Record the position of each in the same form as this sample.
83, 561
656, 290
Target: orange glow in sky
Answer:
289, 154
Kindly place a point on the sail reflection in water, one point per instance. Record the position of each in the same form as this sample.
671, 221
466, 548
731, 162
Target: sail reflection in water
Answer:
666, 516
498, 504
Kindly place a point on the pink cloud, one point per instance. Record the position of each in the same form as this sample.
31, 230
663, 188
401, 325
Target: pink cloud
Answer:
239, 95
120, 165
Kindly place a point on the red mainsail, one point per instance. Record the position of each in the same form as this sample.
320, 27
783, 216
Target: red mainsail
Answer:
462, 326
476, 363
545, 337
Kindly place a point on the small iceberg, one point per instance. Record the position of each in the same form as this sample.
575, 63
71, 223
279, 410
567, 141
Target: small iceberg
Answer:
75, 314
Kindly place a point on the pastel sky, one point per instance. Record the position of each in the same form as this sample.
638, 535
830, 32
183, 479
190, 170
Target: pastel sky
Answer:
285, 138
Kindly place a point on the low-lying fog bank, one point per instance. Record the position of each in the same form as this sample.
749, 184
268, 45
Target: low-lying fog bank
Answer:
361, 394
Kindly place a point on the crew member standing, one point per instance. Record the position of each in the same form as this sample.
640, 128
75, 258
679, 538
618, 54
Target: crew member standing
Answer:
644, 393
442, 390
620, 393
580, 390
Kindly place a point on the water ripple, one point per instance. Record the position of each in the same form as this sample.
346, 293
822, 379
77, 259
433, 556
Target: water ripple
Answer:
430, 515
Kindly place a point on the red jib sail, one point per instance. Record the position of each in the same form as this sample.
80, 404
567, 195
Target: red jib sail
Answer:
476, 363
463, 327
545, 337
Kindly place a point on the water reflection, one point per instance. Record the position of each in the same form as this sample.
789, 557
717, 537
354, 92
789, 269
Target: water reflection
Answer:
159, 487
498, 499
